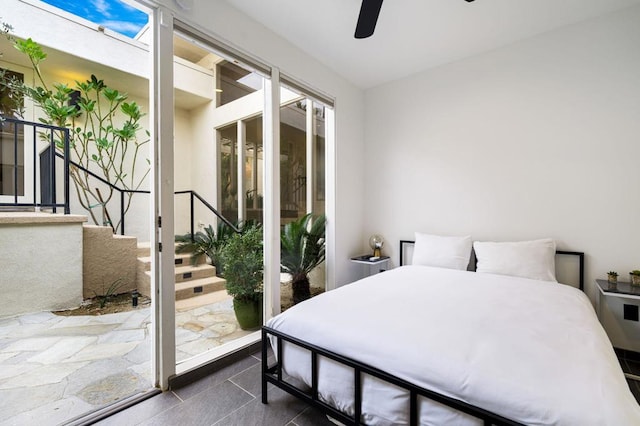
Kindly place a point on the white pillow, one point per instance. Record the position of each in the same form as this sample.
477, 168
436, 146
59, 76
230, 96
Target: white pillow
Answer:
443, 252
526, 259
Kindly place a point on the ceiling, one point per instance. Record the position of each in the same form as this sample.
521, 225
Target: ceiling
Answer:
413, 35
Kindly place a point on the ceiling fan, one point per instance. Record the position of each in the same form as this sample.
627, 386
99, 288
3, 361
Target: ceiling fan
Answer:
368, 17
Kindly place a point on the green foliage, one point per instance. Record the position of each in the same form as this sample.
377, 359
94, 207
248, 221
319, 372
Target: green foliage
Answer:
208, 242
302, 244
104, 130
111, 291
202, 243
612, 273
243, 263
635, 272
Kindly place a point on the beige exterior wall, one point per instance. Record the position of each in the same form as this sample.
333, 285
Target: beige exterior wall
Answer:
40, 262
109, 260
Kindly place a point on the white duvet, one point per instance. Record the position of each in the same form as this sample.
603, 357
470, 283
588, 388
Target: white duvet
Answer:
531, 351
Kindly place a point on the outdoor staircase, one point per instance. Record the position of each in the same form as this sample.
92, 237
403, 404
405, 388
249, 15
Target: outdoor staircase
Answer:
191, 280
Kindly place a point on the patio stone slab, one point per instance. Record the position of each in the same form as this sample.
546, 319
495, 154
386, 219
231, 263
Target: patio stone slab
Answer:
55, 412
20, 400
107, 350
54, 367
4, 356
122, 336
184, 335
93, 372
63, 349
141, 353
80, 330
112, 388
31, 345
9, 371
39, 318
199, 346
42, 375
20, 331
223, 328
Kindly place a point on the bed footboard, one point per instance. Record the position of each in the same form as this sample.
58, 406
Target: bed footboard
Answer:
274, 374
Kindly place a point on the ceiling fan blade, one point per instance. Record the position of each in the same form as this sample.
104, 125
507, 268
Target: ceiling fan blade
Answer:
368, 18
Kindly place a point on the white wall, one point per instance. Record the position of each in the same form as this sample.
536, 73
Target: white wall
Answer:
537, 139
226, 23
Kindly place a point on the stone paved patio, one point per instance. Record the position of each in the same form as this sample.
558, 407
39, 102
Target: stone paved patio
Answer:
53, 368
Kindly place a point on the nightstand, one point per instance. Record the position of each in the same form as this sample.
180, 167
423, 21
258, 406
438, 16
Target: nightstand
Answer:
622, 290
371, 267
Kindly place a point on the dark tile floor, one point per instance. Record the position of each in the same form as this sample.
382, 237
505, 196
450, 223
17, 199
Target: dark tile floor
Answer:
231, 396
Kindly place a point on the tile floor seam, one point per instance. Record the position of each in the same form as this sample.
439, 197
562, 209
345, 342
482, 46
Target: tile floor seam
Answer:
177, 396
293, 420
237, 409
231, 381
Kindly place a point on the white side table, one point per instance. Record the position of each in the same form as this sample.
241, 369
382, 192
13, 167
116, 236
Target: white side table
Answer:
622, 290
371, 265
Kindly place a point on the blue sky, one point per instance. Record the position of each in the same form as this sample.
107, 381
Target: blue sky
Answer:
112, 14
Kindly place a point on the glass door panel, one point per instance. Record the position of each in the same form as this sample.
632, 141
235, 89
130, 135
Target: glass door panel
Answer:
218, 156
302, 192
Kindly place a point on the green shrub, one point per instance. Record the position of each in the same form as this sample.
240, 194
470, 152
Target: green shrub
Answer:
243, 264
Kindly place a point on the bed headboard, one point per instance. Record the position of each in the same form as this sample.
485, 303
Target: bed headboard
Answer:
567, 263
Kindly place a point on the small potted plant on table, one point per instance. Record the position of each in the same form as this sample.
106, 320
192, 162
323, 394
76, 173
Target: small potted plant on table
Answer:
612, 277
635, 277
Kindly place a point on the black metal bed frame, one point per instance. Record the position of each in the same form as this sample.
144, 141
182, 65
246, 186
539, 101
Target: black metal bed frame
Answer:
274, 374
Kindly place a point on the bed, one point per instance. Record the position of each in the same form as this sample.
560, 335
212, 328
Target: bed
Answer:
439, 346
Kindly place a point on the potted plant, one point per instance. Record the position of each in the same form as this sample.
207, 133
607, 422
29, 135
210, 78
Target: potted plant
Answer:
302, 249
635, 277
612, 277
206, 243
242, 260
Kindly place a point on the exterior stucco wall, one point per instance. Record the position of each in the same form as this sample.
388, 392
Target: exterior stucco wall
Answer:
109, 260
40, 262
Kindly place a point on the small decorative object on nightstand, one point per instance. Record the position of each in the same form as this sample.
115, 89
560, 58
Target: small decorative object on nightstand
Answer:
635, 277
376, 242
612, 277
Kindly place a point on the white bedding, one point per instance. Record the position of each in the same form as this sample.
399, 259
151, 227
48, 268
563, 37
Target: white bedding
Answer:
531, 351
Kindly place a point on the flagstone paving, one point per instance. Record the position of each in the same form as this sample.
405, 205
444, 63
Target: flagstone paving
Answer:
53, 368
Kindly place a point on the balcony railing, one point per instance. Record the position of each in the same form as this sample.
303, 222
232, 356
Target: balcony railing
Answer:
20, 133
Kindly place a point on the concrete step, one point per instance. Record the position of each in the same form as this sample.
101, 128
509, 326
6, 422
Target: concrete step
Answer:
199, 287
186, 273
206, 299
144, 249
181, 259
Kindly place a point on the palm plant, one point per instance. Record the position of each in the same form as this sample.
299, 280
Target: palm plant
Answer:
302, 249
208, 242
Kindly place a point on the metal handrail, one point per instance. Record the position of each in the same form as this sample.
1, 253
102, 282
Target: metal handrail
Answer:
122, 191
65, 156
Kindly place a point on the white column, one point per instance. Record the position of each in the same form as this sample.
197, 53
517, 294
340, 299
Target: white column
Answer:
311, 144
271, 150
330, 195
162, 262
242, 152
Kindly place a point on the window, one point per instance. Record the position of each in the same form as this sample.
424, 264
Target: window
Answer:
11, 138
235, 82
